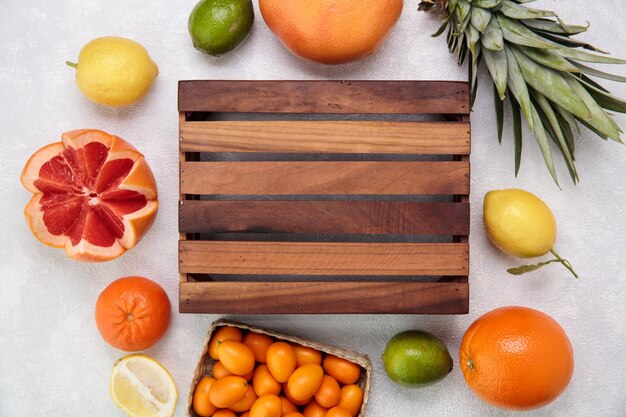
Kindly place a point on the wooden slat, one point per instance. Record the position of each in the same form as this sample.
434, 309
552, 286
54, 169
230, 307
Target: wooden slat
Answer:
401, 97
325, 178
323, 258
326, 137
352, 217
324, 297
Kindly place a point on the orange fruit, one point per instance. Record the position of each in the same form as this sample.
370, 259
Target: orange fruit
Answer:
341, 369
258, 343
329, 392
304, 382
267, 405
246, 414
288, 406
94, 195
224, 413
264, 383
331, 31
228, 391
281, 361
337, 412
132, 313
351, 399
201, 404
221, 334
219, 371
313, 409
236, 357
516, 358
246, 402
293, 400
305, 354
293, 414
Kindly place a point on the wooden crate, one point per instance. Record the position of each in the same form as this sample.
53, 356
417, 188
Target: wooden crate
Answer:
205, 363
324, 216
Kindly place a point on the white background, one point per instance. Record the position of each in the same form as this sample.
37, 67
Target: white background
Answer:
52, 359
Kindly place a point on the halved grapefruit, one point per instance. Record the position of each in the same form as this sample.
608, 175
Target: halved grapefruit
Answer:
94, 195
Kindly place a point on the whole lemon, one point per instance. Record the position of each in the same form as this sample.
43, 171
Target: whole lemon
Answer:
114, 71
519, 223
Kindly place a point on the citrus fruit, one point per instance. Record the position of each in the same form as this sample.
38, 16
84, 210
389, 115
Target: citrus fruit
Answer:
305, 381
94, 195
200, 401
236, 357
305, 354
142, 387
114, 71
132, 313
329, 392
351, 399
221, 334
258, 343
246, 402
416, 359
228, 391
219, 26
264, 383
267, 405
331, 31
516, 358
519, 223
341, 369
281, 361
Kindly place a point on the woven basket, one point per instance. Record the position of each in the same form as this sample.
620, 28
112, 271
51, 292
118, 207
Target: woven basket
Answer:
205, 362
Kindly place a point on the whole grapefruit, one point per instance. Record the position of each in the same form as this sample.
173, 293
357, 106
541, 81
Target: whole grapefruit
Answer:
331, 31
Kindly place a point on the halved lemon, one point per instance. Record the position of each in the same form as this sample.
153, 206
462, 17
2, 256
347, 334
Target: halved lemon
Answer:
142, 387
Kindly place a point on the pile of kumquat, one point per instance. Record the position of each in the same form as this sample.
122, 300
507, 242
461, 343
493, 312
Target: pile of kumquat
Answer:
258, 376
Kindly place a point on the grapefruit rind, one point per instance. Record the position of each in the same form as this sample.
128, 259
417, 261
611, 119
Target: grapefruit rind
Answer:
138, 180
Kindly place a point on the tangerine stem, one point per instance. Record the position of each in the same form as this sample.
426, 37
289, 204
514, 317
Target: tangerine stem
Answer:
470, 363
564, 262
71, 64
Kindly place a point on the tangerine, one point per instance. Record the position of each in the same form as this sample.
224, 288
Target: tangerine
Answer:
516, 358
132, 313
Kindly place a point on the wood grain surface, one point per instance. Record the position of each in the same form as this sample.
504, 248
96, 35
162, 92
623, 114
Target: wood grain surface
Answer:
399, 97
323, 258
359, 137
351, 217
324, 297
325, 177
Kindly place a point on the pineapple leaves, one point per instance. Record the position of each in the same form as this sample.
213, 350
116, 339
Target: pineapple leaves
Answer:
486, 4
492, 36
534, 61
497, 66
552, 84
547, 25
516, 11
499, 107
519, 34
517, 133
480, 18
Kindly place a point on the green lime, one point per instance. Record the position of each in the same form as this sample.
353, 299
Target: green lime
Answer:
416, 359
218, 26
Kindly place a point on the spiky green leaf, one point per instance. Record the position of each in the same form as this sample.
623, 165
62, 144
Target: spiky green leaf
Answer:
548, 57
472, 36
480, 18
599, 120
486, 4
580, 55
569, 42
554, 27
518, 86
598, 73
518, 34
499, 107
497, 66
517, 133
492, 36
550, 120
552, 84
463, 11
517, 11
605, 99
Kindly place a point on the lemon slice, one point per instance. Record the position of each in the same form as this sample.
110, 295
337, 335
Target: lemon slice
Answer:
142, 387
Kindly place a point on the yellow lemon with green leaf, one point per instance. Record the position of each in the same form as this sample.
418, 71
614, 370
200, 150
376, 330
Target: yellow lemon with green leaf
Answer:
114, 71
521, 224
